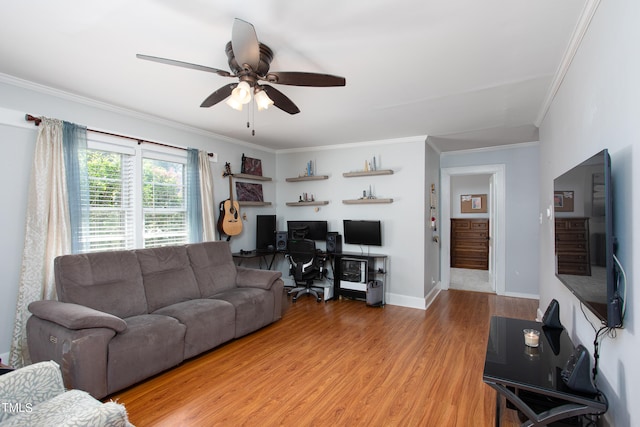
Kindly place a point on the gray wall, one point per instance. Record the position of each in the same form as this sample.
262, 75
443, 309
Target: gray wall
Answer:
522, 210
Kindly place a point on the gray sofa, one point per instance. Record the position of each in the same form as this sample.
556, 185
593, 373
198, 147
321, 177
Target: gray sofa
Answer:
123, 316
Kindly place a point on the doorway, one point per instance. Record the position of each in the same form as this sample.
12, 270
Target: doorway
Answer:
496, 272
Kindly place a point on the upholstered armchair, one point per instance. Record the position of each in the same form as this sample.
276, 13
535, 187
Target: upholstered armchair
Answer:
35, 396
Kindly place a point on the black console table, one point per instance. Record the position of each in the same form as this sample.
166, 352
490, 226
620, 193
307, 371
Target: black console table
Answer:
529, 378
376, 269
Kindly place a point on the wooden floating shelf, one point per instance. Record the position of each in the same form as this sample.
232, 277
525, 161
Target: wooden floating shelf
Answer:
368, 173
252, 177
315, 203
366, 201
307, 178
250, 203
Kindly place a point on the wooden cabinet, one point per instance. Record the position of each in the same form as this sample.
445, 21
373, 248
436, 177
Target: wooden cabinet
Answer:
572, 246
470, 243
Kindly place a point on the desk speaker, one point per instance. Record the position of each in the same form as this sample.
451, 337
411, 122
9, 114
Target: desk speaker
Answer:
281, 241
334, 243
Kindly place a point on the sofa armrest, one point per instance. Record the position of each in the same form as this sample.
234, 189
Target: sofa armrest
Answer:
81, 353
254, 278
30, 385
75, 317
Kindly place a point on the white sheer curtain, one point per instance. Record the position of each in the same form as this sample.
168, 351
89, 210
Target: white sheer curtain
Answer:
206, 193
47, 231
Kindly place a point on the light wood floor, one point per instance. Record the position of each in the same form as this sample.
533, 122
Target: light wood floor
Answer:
340, 364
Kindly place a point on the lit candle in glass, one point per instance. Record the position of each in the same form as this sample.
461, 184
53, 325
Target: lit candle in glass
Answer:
531, 337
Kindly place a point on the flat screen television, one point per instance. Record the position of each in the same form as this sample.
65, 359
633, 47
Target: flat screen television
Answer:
584, 241
265, 232
362, 232
313, 230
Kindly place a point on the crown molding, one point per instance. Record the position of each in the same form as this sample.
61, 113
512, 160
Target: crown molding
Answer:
492, 148
46, 90
574, 44
410, 139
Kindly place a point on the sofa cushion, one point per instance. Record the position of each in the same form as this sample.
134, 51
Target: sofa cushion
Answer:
209, 323
167, 276
105, 281
150, 344
213, 267
254, 308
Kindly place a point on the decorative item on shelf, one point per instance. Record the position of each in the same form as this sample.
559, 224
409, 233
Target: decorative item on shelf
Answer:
432, 208
368, 196
251, 166
306, 197
309, 170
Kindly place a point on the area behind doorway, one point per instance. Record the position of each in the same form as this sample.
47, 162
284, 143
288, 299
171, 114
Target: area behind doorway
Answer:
469, 238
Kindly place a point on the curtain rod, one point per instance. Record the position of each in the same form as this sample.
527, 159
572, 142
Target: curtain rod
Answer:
36, 121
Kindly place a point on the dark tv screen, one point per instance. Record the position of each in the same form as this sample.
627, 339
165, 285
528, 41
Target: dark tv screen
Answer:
313, 230
362, 232
584, 248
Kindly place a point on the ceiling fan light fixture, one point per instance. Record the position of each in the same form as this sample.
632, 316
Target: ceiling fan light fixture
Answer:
242, 93
233, 103
262, 99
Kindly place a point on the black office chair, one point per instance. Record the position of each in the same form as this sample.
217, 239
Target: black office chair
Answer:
305, 265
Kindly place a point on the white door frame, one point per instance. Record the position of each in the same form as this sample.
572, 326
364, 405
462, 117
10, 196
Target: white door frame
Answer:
496, 217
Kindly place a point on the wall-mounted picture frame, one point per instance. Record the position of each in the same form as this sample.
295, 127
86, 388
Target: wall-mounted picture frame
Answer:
473, 203
249, 192
251, 166
563, 201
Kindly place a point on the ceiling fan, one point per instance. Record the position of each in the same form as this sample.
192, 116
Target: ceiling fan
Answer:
249, 61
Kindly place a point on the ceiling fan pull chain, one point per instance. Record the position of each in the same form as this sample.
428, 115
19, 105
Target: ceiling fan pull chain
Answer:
253, 117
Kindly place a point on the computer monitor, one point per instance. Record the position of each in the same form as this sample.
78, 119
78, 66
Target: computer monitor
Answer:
312, 230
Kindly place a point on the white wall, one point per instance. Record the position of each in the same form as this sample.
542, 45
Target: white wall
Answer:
597, 107
403, 221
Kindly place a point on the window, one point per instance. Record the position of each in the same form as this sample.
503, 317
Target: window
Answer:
136, 198
164, 205
111, 215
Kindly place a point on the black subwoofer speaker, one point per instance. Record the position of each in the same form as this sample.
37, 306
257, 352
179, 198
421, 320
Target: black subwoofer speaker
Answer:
334, 242
281, 241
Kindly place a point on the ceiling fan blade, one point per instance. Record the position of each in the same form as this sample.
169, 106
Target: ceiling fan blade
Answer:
280, 100
297, 78
245, 44
218, 95
222, 73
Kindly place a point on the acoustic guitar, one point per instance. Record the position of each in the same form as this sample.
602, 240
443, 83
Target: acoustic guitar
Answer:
229, 221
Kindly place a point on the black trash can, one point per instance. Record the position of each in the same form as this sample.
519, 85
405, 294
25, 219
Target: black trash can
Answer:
374, 293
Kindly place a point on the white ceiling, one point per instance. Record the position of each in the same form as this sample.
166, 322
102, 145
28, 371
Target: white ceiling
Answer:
467, 73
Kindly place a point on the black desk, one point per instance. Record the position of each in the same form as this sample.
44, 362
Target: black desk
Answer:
263, 255
524, 375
